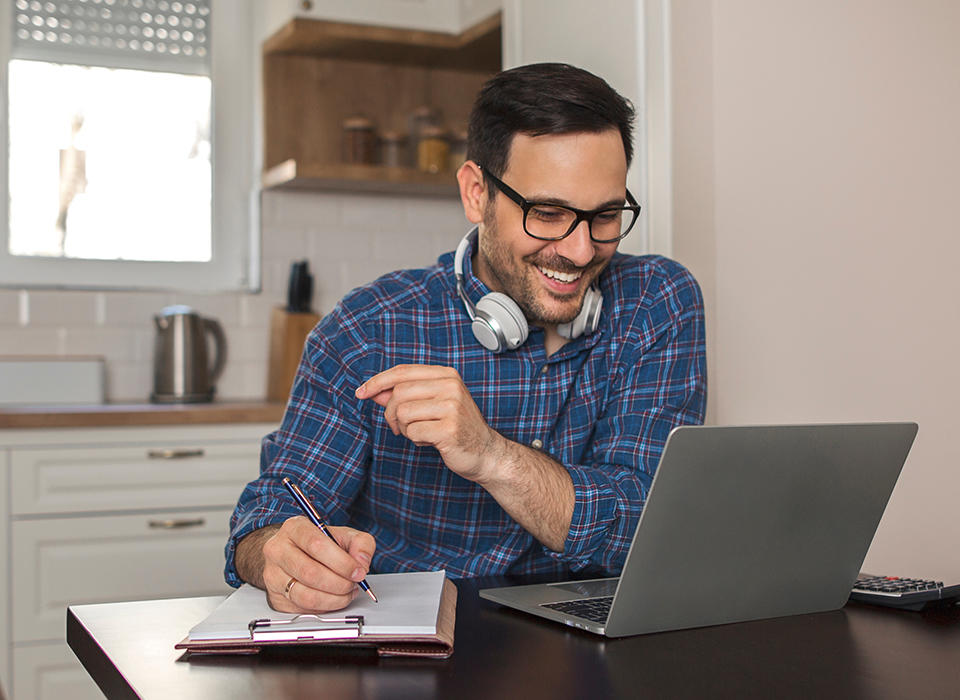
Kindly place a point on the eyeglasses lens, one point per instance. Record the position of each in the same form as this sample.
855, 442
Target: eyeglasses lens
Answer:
554, 222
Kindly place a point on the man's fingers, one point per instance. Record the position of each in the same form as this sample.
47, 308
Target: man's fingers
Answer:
444, 391
332, 553
412, 412
289, 594
360, 545
307, 571
398, 374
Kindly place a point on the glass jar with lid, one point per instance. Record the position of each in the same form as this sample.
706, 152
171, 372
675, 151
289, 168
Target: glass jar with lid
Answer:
359, 144
423, 117
433, 150
393, 149
458, 148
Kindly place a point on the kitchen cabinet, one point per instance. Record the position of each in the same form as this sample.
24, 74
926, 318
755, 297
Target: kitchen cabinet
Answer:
108, 514
317, 74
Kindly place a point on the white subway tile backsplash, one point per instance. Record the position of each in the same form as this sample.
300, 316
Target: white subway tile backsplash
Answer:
248, 344
56, 308
341, 244
437, 215
275, 275
224, 308
143, 342
30, 341
113, 345
404, 250
255, 309
243, 380
134, 309
285, 244
384, 213
129, 381
9, 307
303, 210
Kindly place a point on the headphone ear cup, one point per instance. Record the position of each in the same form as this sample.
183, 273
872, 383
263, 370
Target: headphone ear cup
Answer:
588, 320
499, 323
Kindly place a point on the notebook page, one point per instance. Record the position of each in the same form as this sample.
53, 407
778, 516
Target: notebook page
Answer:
409, 604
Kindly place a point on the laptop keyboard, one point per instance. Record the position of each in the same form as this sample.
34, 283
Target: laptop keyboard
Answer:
593, 609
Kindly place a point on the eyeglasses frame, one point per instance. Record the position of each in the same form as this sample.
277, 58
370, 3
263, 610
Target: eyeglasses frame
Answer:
582, 214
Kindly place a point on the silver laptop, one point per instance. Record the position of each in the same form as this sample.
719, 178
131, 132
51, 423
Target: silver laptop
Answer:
741, 523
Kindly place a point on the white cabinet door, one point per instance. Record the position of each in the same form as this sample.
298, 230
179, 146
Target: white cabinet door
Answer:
131, 477
61, 562
51, 672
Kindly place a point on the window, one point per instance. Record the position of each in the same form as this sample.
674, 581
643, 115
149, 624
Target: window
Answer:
119, 173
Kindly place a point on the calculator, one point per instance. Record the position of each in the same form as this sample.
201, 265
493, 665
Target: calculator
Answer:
903, 593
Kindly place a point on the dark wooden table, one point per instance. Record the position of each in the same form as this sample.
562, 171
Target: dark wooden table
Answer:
857, 652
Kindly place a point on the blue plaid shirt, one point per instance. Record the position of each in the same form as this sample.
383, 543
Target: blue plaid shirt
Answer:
602, 406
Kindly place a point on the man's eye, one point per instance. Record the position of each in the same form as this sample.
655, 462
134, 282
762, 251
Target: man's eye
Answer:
608, 217
549, 214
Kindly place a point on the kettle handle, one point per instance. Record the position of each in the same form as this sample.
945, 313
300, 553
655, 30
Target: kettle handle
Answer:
220, 341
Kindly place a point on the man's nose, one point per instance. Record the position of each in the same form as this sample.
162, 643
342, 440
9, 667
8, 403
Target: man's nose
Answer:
577, 247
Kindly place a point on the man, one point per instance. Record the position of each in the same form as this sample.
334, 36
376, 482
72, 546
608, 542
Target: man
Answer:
418, 428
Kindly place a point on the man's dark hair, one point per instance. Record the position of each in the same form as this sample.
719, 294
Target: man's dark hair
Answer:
540, 99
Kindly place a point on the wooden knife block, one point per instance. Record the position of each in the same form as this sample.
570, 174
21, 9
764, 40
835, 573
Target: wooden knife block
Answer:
288, 331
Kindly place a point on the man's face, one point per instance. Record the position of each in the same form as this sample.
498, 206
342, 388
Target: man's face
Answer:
548, 279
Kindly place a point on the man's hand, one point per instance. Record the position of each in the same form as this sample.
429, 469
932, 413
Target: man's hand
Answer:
430, 405
324, 575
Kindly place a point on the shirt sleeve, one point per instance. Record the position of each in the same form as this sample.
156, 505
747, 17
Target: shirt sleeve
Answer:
659, 383
322, 443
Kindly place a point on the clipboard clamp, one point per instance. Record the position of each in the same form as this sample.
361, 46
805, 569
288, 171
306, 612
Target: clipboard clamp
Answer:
296, 629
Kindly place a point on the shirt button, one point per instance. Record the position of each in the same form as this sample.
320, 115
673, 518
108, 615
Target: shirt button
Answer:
536, 444
544, 369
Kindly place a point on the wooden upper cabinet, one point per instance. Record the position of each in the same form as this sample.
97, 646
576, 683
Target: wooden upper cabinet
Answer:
317, 74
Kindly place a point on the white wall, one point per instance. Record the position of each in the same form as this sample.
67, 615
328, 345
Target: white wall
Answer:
815, 150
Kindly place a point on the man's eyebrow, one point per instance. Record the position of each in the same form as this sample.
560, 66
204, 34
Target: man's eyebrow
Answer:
616, 202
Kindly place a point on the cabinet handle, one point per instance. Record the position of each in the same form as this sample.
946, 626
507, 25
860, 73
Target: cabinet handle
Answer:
176, 524
174, 454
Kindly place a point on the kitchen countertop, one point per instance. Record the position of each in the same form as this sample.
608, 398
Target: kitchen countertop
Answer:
123, 414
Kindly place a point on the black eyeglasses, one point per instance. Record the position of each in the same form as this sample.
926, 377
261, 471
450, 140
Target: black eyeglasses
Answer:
553, 222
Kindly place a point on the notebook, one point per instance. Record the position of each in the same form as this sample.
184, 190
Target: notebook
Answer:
741, 523
415, 617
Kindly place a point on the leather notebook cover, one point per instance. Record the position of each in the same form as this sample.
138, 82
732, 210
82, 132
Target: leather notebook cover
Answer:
416, 616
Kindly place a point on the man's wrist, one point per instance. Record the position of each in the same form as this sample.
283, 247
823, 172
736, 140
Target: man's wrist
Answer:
499, 461
248, 557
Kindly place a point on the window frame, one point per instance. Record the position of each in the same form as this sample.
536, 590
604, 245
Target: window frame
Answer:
234, 159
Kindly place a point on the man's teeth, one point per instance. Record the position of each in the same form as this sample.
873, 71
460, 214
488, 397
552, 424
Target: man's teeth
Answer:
560, 276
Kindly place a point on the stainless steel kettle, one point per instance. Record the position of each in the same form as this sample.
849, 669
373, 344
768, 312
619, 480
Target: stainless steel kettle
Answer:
183, 372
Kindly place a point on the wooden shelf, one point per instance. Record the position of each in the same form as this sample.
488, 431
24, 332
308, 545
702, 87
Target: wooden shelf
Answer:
316, 74
478, 48
291, 175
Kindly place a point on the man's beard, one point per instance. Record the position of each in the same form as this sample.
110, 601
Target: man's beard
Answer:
516, 279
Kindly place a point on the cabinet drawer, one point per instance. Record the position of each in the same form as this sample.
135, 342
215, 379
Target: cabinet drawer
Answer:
51, 672
61, 562
91, 479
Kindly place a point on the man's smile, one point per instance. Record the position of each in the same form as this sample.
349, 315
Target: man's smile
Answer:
565, 277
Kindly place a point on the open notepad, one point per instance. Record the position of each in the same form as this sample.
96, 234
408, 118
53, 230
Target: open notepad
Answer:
415, 617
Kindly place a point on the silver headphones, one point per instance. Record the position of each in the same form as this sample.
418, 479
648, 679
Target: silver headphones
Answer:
499, 324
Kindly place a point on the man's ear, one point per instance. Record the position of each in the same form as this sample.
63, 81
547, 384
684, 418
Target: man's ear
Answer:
473, 191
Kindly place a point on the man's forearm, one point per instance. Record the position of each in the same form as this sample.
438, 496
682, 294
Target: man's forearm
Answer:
248, 557
535, 490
